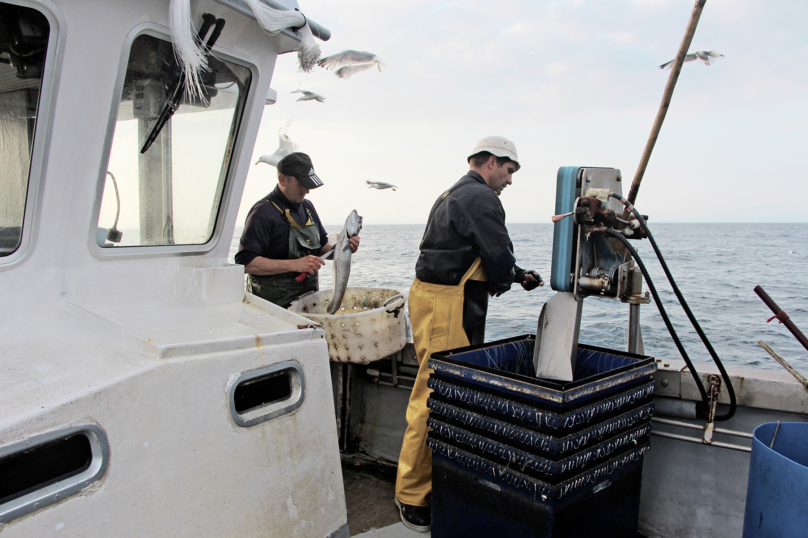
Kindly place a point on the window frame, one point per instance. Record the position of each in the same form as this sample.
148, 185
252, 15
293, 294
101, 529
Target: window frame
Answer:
153, 251
42, 133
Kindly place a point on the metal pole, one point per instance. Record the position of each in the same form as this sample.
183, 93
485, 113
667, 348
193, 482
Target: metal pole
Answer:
784, 363
782, 317
666, 98
634, 334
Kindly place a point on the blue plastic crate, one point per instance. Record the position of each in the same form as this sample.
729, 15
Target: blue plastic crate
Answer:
506, 367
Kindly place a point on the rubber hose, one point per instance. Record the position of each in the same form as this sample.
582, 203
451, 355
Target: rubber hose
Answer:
662, 313
686, 308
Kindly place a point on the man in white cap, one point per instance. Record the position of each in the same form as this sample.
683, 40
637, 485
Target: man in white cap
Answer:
466, 256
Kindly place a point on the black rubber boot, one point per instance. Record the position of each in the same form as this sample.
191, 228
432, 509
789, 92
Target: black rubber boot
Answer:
417, 518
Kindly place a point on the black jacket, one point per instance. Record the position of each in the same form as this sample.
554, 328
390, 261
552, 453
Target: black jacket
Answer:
266, 231
466, 223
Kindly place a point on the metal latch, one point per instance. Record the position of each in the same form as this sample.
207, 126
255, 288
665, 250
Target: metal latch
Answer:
713, 392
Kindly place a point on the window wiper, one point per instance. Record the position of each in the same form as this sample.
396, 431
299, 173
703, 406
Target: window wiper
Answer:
173, 102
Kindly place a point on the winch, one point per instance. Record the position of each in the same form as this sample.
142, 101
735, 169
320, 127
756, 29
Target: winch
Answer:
586, 262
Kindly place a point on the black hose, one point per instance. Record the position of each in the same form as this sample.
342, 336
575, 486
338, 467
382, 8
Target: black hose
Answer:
662, 311
685, 307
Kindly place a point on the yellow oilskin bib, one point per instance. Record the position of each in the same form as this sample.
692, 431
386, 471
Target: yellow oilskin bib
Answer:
436, 313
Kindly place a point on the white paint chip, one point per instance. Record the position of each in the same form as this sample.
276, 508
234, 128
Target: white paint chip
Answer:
146, 444
59, 526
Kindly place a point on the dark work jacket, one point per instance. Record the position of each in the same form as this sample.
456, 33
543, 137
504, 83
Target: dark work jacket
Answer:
469, 222
266, 231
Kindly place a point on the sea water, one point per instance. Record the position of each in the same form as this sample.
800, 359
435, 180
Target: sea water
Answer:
716, 267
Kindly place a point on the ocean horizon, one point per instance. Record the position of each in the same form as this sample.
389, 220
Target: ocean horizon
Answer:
716, 266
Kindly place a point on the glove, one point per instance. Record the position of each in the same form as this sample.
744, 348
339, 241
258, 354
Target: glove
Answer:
532, 284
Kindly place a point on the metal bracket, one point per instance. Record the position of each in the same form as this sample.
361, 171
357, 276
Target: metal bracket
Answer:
713, 392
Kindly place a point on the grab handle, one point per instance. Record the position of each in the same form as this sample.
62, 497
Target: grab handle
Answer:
396, 299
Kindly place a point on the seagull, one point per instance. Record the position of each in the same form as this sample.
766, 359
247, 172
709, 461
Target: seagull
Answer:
350, 62
703, 55
380, 185
285, 147
308, 96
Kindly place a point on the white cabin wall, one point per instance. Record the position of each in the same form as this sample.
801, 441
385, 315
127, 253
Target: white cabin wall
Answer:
62, 264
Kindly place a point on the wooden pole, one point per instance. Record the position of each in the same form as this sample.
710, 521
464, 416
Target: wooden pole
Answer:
666, 98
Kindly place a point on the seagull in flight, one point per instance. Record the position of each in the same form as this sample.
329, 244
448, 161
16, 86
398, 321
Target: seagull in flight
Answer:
350, 62
285, 147
703, 55
380, 185
308, 96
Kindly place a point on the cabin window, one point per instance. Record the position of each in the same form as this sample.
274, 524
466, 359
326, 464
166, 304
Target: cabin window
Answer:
24, 34
170, 194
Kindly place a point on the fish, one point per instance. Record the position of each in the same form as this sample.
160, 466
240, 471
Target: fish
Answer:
342, 259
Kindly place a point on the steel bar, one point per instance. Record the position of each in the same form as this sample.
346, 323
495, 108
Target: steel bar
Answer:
666, 98
697, 427
634, 334
699, 441
784, 364
782, 317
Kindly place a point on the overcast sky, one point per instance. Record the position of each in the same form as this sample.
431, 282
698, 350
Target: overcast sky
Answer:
571, 83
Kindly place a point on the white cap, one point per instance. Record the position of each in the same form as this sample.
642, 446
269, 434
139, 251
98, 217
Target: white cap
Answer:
496, 145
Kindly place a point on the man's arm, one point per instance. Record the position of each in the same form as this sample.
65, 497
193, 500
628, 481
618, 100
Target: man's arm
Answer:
260, 266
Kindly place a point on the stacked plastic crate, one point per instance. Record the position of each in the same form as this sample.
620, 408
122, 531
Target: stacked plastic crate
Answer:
514, 455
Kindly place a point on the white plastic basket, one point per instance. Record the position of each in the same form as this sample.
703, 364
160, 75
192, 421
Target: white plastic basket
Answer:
369, 325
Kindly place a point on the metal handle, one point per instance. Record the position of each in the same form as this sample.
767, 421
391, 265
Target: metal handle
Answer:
391, 299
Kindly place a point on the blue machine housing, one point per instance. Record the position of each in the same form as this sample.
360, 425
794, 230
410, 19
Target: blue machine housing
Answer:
564, 230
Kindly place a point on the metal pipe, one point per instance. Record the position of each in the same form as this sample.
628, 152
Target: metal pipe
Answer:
666, 98
784, 363
634, 335
701, 428
782, 317
699, 441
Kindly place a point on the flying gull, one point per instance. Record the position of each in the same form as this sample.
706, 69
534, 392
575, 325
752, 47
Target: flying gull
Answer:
380, 185
309, 96
703, 55
285, 147
350, 62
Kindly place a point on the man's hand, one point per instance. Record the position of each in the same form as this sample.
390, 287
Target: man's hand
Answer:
307, 264
532, 280
354, 243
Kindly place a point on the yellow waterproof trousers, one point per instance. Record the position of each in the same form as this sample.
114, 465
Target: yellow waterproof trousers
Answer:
436, 313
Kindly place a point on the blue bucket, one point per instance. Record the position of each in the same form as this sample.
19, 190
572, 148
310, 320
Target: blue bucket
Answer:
777, 490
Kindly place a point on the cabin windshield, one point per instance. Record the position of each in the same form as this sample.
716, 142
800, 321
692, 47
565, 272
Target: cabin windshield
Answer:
24, 34
170, 194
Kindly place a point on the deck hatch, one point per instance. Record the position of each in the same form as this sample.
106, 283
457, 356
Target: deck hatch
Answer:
49, 467
266, 393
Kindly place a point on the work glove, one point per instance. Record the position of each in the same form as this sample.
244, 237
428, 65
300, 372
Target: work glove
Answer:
532, 284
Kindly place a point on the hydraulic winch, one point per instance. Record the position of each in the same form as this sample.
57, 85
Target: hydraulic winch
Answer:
593, 256
587, 262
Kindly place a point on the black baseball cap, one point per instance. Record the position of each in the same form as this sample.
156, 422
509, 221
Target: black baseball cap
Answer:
298, 165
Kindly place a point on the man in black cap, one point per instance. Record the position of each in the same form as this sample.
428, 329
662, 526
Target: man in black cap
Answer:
283, 237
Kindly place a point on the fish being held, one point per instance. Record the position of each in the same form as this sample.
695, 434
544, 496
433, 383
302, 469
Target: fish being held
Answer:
342, 259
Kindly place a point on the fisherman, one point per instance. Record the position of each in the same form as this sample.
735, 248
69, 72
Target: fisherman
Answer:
466, 256
283, 236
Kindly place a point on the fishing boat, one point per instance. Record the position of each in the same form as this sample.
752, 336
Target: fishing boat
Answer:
143, 391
